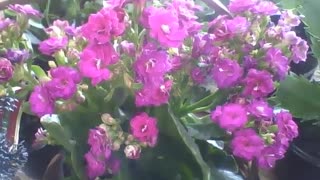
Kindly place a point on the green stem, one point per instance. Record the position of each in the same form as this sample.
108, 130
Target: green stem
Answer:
47, 11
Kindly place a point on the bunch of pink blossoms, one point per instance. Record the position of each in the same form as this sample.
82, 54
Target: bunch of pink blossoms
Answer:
168, 27
249, 53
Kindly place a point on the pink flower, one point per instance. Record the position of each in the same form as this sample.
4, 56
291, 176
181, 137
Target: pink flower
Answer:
145, 129
99, 159
40, 101
153, 94
95, 167
226, 73
93, 67
230, 116
289, 19
6, 70
186, 13
260, 109
266, 8
247, 144
64, 82
300, 51
270, 154
128, 48
286, 126
52, 45
237, 25
26, 10
152, 65
164, 26
103, 25
105, 52
198, 76
132, 151
239, 6
258, 83
99, 142
4, 23
277, 62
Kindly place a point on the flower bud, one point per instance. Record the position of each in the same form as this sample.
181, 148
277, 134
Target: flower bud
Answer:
116, 145
80, 98
107, 119
6, 70
132, 151
52, 64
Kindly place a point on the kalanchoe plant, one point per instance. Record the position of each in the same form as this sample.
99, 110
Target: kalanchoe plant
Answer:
120, 87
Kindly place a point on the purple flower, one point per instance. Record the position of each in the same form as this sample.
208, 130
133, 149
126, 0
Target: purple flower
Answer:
219, 28
52, 45
6, 70
266, 8
152, 65
40, 101
237, 25
128, 48
17, 55
186, 14
197, 75
249, 62
64, 82
95, 167
226, 73
289, 19
4, 23
239, 6
230, 116
300, 51
99, 142
258, 83
164, 26
153, 94
286, 126
103, 25
260, 109
291, 37
26, 10
247, 144
269, 155
94, 61
277, 62
145, 129
99, 156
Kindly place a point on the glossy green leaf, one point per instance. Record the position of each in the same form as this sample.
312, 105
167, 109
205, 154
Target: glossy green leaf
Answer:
53, 125
172, 127
38, 71
203, 128
300, 97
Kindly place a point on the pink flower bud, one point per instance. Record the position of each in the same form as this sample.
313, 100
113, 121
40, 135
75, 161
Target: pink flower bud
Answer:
132, 151
6, 70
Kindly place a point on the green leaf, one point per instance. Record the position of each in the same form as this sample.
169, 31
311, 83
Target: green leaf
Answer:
38, 71
203, 128
57, 131
77, 161
300, 97
172, 127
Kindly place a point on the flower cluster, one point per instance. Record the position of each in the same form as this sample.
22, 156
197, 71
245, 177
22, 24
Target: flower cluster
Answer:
108, 137
168, 27
251, 54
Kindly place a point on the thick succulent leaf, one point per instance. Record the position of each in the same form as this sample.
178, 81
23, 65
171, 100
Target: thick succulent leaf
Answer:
203, 128
300, 97
177, 154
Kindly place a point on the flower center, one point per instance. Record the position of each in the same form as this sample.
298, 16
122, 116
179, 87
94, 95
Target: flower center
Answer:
144, 128
150, 64
98, 63
165, 28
